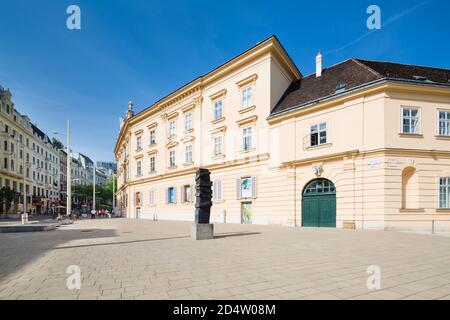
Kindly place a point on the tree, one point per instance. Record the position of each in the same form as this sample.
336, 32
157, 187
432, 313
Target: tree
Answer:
57, 144
6, 198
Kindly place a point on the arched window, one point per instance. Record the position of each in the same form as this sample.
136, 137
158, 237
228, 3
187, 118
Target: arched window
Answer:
410, 188
319, 186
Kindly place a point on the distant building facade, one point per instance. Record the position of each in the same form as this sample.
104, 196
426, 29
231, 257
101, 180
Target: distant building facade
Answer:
29, 161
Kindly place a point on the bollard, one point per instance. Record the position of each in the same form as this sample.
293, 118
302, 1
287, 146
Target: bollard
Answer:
24, 218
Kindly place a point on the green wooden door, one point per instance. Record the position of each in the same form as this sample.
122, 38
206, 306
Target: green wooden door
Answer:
319, 205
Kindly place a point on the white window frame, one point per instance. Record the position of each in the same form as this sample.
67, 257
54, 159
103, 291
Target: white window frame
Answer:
138, 142
402, 117
172, 128
318, 131
444, 183
152, 164
188, 154
151, 197
152, 137
246, 136
172, 158
215, 104
215, 153
446, 121
217, 190
188, 121
247, 96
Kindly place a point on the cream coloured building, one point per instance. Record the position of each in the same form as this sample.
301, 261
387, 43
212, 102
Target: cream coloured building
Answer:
29, 161
359, 144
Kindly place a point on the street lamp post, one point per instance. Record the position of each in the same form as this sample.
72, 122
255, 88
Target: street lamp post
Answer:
93, 204
114, 194
68, 174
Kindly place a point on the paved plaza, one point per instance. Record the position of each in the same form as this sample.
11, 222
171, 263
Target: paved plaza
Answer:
138, 259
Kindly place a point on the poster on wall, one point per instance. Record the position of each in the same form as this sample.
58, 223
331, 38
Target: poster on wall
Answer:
246, 188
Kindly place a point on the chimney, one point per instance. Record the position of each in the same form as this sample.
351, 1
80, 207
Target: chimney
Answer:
318, 65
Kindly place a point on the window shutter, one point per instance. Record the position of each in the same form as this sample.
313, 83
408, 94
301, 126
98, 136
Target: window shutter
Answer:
175, 194
307, 141
134, 200
219, 190
141, 199
192, 195
182, 194
167, 195
213, 187
254, 187
238, 189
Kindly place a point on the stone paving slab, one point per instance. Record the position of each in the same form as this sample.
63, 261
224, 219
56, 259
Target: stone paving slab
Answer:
139, 259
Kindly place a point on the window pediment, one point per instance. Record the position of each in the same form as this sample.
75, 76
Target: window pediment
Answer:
171, 144
248, 120
249, 80
218, 94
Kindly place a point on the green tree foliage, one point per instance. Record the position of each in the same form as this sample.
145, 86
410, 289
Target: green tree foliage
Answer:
57, 144
6, 198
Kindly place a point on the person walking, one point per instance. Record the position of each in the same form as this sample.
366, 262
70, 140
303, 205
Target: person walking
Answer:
92, 214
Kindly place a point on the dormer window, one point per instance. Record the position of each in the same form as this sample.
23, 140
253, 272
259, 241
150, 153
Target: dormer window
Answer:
340, 87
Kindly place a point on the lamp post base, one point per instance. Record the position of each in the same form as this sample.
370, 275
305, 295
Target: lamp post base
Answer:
202, 231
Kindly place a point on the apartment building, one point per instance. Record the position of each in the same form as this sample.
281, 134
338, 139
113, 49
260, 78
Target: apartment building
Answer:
360, 144
30, 163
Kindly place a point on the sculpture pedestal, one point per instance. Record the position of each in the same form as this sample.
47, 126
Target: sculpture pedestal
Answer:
202, 231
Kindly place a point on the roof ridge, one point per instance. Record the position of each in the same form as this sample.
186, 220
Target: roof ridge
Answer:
332, 66
356, 60
398, 63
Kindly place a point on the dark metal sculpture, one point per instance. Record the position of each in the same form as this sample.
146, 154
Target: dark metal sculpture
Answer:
203, 195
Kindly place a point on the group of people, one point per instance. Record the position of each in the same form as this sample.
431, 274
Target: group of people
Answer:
102, 213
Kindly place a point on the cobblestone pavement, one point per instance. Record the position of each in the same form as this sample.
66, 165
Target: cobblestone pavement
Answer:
130, 259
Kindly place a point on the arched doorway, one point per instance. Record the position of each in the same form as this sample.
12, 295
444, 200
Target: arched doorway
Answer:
319, 204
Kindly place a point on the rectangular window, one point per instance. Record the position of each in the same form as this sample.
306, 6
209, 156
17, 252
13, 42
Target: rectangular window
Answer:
217, 190
151, 197
172, 128
188, 153
171, 195
152, 164
246, 187
247, 138
444, 123
152, 137
187, 194
410, 120
318, 134
188, 121
217, 146
247, 97
139, 168
139, 143
172, 159
218, 110
444, 193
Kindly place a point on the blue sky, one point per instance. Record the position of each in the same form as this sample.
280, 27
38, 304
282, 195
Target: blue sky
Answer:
141, 50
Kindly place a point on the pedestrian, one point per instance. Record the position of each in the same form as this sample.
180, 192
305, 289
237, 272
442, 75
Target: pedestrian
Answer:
92, 214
